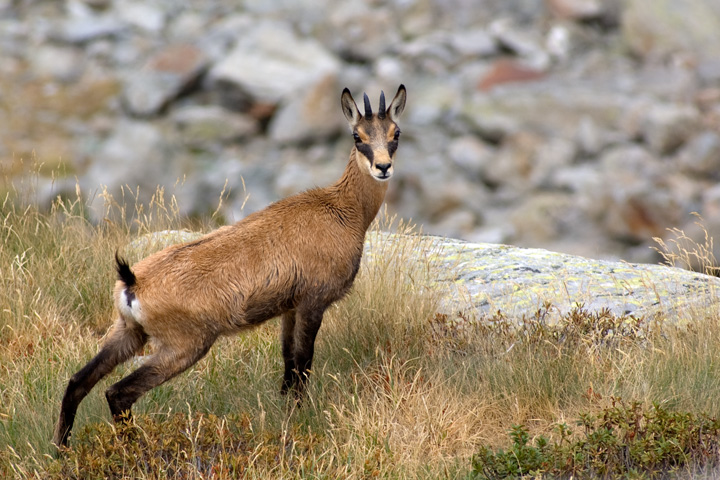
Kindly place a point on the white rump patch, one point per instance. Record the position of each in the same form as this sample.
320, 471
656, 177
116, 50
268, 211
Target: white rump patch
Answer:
130, 307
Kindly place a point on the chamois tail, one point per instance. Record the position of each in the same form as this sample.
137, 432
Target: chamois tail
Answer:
124, 272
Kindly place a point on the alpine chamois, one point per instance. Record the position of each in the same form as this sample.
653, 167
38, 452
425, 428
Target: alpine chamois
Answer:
292, 259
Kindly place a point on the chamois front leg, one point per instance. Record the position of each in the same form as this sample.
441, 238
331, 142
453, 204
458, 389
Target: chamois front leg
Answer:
288, 349
307, 325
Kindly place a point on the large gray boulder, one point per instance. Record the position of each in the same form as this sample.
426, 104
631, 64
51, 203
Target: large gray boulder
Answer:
480, 279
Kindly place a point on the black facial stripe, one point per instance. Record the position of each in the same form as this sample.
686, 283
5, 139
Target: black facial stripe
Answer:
366, 150
392, 146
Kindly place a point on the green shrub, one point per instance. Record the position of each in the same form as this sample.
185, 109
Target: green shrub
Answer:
623, 441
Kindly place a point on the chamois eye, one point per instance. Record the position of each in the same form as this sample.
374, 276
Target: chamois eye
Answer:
397, 134
356, 137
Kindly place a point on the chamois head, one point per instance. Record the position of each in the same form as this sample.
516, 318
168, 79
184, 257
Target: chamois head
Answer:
376, 135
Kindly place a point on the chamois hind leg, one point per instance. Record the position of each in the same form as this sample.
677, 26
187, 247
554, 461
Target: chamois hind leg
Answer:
121, 344
307, 325
288, 349
160, 367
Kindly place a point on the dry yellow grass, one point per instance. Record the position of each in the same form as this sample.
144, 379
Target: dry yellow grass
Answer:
397, 392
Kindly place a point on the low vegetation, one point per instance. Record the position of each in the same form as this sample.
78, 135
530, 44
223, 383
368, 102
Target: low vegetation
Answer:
398, 391
623, 441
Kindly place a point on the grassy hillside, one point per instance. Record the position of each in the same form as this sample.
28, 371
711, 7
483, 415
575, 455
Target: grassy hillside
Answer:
397, 392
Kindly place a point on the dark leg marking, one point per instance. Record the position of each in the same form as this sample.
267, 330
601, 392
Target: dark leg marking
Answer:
306, 329
288, 348
120, 346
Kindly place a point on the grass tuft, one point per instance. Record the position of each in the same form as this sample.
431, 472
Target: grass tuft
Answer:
183, 446
684, 252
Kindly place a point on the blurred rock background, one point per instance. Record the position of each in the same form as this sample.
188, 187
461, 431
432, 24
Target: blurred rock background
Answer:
581, 126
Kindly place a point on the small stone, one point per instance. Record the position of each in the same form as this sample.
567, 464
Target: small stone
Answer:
297, 175
359, 32
154, 241
308, 115
496, 235
701, 156
98, 4
489, 120
546, 216
439, 99
663, 28
79, 9
188, 25
61, 63
143, 15
576, 9
429, 52
558, 42
135, 155
579, 179
669, 126
443, 193
515, 161
635, 201
470, 154
84, 30
164, 76
456, 224
473, 43
270, 63
709, 71
573, 44
521, 41
208, 125
639, 215
589, 137
508, 71
390, 69
711, 205
553, 155
707, 98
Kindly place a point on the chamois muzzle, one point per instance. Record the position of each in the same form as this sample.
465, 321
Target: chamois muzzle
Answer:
384, 169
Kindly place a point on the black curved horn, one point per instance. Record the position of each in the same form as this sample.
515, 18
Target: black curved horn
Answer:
368, 108
381, 111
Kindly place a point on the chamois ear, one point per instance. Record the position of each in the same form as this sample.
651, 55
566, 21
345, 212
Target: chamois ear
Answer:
349, 108
398, 104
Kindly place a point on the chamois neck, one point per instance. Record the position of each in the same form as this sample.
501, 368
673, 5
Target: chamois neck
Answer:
357, 189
